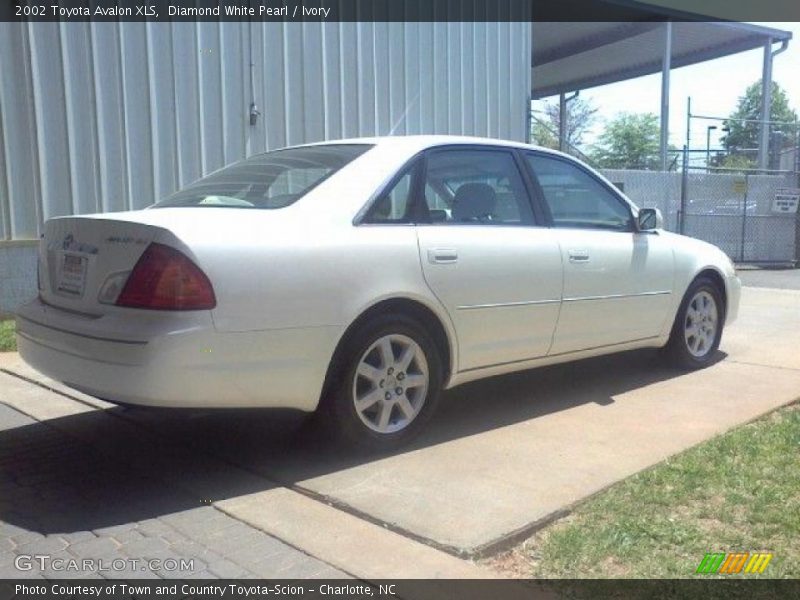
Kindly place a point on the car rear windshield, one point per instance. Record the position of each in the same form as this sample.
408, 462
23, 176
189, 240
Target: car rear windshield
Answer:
271, 180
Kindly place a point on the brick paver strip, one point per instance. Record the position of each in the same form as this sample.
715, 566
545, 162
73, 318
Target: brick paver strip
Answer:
53, 488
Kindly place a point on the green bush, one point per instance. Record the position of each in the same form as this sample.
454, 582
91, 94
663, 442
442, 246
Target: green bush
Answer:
8, 342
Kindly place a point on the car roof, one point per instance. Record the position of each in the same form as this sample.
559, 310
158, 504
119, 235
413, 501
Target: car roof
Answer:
421, 142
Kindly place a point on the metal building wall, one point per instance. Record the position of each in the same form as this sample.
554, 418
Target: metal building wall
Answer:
107, 116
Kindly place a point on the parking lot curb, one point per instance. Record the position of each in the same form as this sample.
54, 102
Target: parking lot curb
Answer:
345, 541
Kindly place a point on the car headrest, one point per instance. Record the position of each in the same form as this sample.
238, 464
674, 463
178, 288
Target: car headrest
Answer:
474, 201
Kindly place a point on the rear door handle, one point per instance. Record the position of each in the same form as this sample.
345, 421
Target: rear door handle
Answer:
442, 256
578, 256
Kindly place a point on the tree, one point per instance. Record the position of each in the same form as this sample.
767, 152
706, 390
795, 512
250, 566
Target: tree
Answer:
629, 141
736, 162
581, 115
745, 137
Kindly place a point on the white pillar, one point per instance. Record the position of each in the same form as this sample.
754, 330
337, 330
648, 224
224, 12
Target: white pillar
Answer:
666, 65
766, 105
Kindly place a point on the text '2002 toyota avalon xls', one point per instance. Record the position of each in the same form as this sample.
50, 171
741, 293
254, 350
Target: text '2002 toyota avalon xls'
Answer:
362, 277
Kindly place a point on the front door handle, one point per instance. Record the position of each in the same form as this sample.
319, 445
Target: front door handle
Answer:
578, 256
442, 256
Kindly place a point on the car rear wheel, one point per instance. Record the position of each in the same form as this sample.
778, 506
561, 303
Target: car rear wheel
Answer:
389, 380
697, 330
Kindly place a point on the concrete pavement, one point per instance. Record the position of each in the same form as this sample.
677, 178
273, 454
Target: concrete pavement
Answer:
505, 455
501, 457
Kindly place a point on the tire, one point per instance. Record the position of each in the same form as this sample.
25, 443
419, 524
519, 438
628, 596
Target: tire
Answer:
698, 326
364, 371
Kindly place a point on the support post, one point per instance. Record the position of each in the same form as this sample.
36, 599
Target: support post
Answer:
684, 191
688, 122
744, 216
797, 150
562, 122
666, 65
766, 105
529, 121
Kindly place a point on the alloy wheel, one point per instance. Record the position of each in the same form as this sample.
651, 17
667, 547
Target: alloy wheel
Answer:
700, 325
390, 383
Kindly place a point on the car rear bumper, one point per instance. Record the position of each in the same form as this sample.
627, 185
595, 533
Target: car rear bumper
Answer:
180, 362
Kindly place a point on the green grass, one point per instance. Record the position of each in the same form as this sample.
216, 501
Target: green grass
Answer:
737, 492
8, 343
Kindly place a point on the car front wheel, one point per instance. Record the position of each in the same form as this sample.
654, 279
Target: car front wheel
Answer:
697, 330
388, 384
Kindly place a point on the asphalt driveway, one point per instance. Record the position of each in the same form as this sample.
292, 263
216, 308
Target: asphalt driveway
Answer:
502, 457
786, 279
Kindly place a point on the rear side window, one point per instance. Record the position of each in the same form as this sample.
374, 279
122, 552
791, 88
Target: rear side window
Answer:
476, 187
271, 180
394, 205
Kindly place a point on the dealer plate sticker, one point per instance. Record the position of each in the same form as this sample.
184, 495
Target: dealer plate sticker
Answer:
73, 274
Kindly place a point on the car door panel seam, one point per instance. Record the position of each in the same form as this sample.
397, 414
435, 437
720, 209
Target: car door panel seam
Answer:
507, 304
618, 296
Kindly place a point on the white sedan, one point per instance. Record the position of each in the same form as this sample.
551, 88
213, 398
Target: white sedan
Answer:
362, 277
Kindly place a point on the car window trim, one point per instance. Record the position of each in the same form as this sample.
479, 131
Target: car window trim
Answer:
541, 211
419, 189
540, 192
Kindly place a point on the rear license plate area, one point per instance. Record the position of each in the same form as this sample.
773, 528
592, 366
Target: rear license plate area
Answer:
72, 275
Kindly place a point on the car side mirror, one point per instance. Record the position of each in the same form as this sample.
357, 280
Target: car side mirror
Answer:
649, 219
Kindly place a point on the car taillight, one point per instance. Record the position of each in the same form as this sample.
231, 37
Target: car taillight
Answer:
165, 279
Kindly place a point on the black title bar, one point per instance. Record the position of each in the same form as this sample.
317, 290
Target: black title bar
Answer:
394, 10
404, 589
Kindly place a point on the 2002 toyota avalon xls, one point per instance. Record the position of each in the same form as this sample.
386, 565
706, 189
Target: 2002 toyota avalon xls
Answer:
362, 277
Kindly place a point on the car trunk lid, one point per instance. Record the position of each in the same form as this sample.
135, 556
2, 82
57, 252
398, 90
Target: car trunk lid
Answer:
79, 254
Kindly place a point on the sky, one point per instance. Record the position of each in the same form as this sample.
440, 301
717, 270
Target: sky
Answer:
714, 86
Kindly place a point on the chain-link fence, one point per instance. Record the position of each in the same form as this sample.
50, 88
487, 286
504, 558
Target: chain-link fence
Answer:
750, 215
742, 194
737, 211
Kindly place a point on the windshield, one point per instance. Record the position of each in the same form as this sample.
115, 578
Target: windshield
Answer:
271, 180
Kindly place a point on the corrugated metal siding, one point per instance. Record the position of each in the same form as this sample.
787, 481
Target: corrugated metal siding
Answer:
106, 116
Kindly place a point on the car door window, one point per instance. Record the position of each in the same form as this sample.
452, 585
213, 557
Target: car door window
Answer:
475, 187
576, 199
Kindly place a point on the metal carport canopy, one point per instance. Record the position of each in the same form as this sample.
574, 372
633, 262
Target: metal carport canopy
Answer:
575, 56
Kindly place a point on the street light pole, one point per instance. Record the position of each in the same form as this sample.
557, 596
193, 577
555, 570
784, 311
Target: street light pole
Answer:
708, 146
